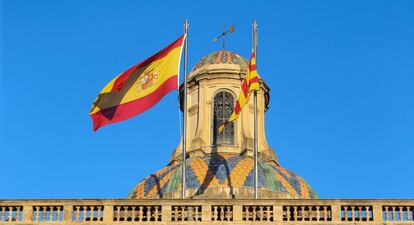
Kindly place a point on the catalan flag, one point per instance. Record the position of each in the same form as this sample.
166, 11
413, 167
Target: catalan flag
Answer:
250, 84
138, 88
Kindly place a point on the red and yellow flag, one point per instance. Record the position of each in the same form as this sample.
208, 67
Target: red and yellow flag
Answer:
138, 88
250, 84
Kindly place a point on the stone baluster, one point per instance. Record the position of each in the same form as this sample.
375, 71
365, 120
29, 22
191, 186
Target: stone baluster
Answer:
259, 213
147, 213
100, 213
214, 213
229, 213
133, 213
409, 213
311, 213
247, 213
268, 213
401, 213
254, 216
352, 213
92, 213
183, 213
325, 213
318, 213
394, 215
2, 213
387, 213
10, 217
220, 213
367, 213
140, 213
83, 213
346, 213
59, 213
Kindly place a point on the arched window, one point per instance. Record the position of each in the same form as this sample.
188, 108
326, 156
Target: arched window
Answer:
223, 107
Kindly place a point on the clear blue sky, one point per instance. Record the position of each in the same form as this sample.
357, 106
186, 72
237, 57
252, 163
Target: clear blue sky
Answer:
341, 75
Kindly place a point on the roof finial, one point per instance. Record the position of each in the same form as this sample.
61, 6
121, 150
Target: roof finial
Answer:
223, 35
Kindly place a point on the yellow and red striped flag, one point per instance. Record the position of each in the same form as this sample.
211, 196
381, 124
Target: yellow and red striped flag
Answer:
250, 84
138, 88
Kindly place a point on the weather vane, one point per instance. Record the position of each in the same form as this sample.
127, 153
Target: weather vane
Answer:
223, 35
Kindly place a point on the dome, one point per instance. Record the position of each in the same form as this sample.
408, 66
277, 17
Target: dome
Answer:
233, 61
223, 176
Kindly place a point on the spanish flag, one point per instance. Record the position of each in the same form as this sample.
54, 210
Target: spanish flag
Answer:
138, 88
250, 84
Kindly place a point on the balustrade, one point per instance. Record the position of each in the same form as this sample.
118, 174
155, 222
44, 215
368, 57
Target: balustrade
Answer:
307, 213
397, 213
205, 211
258, 213
87, 213
186, 213
356, 213
131, 213
47, 213
11, 213
222, 213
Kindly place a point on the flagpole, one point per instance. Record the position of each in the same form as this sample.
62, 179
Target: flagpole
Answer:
183, 184
256, 178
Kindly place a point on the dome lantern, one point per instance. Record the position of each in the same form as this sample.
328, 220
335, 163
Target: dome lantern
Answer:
220, 165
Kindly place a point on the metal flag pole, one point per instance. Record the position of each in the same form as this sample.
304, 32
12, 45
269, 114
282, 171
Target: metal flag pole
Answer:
184, 111
256, 178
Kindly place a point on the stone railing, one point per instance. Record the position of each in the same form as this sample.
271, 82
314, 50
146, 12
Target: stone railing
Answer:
203, 211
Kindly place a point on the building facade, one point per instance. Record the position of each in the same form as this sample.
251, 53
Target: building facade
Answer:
219, 173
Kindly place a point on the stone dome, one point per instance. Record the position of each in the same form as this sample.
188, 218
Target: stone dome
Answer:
223, 176
216, 60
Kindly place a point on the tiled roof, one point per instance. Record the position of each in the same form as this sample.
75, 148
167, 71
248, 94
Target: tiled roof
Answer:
224, 170
222, 57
